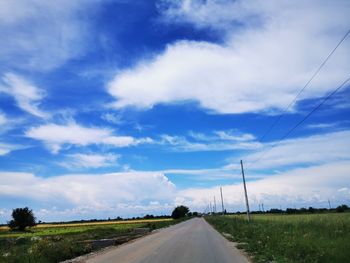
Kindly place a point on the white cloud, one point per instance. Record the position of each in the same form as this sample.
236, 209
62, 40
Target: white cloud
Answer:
131, 193
5, 125
316, 149
329, 125
54, 136
27, 95
112, 118
3, 119
217, 141
6, 148
216, 14
199, 176
41, 35
311, 186
120, 192
259, 68
78, 160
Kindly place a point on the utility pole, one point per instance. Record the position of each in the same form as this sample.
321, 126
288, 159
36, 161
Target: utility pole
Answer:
210, 210
214, 205
259, 208
222, 201
245, 193
329, 203
263, 209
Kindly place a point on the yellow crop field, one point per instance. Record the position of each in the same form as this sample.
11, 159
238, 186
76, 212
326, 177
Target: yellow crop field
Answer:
139, 221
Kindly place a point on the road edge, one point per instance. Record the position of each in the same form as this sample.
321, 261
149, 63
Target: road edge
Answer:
234, 244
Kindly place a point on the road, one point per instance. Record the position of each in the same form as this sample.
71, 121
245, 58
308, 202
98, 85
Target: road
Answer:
188, 242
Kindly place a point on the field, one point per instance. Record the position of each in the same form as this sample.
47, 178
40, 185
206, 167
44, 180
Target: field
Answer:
57, 242
289, 238
53, 229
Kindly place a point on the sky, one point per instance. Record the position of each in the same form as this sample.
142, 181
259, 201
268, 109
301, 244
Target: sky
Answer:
125, 108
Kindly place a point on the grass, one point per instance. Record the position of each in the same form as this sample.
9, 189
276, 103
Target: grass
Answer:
55, 243
290, 238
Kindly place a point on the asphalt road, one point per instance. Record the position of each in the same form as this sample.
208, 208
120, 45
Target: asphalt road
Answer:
190, 241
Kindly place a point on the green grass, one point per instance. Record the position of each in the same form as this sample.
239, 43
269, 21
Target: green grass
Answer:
290, 238
55, 244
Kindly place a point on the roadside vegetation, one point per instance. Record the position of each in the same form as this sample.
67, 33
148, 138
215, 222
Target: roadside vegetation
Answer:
58, 243
289, 238
25, 241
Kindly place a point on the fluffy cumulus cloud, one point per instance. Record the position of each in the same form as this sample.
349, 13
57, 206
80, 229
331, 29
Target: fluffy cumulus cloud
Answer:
129, 194
79, 160
26, 95
92, 193
41, 35
54, 136
311, 186
259, 67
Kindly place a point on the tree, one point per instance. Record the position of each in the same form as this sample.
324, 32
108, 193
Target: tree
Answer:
342, 208
180, 211
22, 218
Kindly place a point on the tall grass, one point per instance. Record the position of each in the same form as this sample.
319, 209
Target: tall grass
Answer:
290, 238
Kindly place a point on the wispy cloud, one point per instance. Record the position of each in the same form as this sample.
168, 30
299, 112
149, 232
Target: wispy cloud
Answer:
328, 125
26, 95
3, 119
308, 150
42, 35
215, 14
216, 141
6, 148
112, 118
87, 161
54, 136
259, 67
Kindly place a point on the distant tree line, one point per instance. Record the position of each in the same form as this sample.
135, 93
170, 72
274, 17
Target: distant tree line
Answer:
23, 218
303, 210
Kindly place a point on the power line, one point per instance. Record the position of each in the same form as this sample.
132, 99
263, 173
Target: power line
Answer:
302, 120
305, 86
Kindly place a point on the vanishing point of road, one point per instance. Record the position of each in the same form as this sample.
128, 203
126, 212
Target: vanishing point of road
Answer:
192, 241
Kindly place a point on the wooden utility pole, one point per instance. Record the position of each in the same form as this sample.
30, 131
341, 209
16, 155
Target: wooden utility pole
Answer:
245, 193
222, 201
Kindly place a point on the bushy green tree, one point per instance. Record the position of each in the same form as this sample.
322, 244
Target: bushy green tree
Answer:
22, 218
180, 211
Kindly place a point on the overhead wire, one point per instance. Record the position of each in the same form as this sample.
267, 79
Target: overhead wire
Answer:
295, 99
304, 87
325, 99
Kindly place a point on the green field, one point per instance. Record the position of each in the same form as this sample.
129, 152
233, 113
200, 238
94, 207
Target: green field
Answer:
54, 243
290, 238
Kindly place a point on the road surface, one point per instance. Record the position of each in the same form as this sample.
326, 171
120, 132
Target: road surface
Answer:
188, 242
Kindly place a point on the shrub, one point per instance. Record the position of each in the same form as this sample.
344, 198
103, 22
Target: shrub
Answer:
22, 218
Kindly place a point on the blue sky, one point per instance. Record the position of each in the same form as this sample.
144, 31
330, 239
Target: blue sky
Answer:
123, 108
